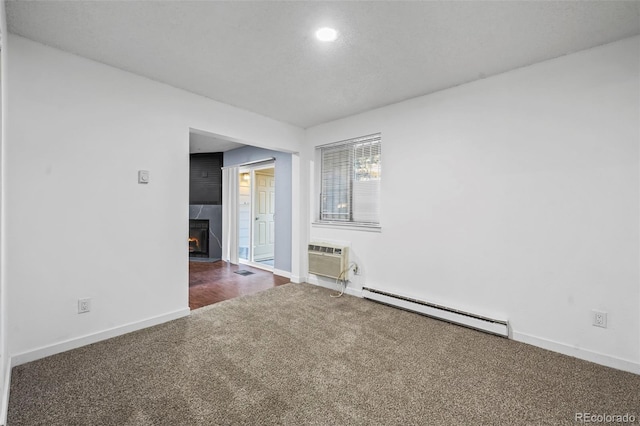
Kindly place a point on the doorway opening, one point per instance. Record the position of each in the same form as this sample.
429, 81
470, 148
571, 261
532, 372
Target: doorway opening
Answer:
247, 187
256, 215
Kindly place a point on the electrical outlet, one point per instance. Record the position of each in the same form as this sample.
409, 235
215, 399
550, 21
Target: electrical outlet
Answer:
599, 318
84, 305
356, 270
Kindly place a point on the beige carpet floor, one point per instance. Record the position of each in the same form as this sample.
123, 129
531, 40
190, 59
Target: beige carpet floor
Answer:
293, 355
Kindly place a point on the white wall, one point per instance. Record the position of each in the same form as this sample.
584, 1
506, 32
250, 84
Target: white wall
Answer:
4, 359
516, 196
77, 133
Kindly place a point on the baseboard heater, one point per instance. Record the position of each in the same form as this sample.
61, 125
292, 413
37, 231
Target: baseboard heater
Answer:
477, 322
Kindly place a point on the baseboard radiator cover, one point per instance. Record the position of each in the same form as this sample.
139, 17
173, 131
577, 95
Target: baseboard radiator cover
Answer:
466, 319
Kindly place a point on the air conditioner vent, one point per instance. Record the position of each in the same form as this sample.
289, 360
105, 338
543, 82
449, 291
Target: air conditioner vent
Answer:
328, 260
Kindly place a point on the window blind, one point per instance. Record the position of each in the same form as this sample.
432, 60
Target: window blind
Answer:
350, 181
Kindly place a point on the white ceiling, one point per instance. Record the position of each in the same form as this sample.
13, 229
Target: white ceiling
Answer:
262, 56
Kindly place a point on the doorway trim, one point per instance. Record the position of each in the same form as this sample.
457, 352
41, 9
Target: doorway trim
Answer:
251, 168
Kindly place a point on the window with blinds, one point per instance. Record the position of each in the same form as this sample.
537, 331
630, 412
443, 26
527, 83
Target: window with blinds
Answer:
350, 174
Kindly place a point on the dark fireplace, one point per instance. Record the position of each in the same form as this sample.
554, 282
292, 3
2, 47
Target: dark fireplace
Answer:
198, 238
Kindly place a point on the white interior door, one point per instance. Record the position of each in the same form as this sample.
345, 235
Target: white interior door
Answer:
264, 214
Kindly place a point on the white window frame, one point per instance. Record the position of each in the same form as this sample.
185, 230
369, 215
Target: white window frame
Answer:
354, 192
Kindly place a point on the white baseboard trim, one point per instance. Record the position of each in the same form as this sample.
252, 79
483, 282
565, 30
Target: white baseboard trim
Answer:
6, 387
56, 348
281, 273
313, 279
580, 353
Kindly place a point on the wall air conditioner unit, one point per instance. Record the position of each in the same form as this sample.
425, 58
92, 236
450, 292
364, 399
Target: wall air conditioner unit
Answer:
328, 260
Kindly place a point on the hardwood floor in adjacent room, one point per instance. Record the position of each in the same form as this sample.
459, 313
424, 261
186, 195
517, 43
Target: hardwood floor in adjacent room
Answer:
214, 282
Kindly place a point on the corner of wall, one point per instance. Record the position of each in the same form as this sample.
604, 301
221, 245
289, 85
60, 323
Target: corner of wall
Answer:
5, 362
4, 395
298, 220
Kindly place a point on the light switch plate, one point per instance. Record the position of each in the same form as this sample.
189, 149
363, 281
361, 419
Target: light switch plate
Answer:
143, 176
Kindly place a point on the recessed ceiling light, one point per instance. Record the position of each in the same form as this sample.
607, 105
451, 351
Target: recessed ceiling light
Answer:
326, 34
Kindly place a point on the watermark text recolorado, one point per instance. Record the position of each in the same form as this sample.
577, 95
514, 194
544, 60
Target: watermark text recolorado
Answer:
585, 417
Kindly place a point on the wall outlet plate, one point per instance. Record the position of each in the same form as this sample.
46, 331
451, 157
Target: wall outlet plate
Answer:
84, 305
599, 318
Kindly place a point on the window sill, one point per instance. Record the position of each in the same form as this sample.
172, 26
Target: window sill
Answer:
347, 226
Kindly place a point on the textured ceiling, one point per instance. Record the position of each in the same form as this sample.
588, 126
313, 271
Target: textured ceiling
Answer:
262, 56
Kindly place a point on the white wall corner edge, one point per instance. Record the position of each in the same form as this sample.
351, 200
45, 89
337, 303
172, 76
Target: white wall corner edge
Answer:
580, 353
313, 279
4, 409
296, 279
56, 348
